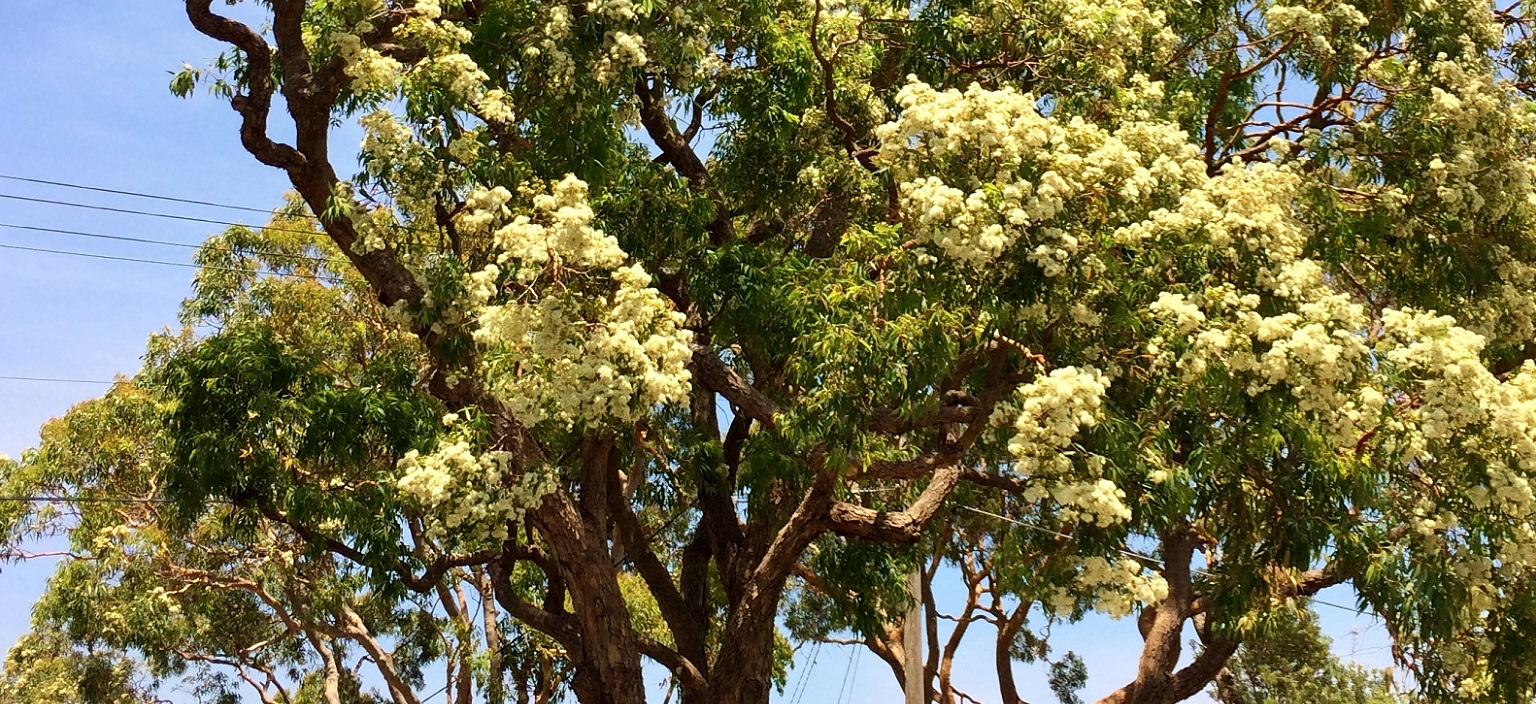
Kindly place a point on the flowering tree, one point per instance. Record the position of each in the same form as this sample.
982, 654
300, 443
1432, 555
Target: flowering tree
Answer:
1247, 283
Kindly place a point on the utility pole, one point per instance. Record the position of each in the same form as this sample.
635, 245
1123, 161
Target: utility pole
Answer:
912, 640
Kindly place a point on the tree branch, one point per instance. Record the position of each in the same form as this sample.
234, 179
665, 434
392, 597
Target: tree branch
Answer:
255, 104
902, 527
678, 153
716, 376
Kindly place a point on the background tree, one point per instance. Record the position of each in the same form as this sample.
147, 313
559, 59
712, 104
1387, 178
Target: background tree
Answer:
48, 667
1290, 661
222, 598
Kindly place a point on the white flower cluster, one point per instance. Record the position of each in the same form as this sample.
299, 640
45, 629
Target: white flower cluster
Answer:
568, 241
390, 149
1115, 31
621, 50
375, 75
430, 9
473, 496
1094, 501
1116, 587
1033, 166
1051, 412
1474, 180
1313, 352
555, 30
483, 208
371, 72
461, 76
619, 10
1186, 315
495, 107
1309, 347
1456, 416
426, 29
1244, 211
1456, 387
581, 335
1314, 29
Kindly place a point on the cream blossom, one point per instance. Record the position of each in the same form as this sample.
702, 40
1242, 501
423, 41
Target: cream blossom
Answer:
603, 344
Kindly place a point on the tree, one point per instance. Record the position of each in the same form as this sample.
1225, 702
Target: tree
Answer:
1291, 662
219, 597
1245, 285
44, 667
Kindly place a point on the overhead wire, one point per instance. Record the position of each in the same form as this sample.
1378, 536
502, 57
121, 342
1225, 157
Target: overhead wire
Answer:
138, 194
805, 675
164, 243
853, 665
7, 377
150, 213
89, 500
110, 257
171, 216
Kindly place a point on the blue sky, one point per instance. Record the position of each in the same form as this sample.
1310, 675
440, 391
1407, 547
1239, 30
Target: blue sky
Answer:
84, 99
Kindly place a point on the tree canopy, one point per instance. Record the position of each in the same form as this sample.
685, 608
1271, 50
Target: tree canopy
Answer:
1290, 662
676, 330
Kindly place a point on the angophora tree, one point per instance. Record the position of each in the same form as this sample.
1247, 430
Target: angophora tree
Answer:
1249, 282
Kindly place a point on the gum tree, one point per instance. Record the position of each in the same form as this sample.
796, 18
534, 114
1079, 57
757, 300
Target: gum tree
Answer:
1246, 284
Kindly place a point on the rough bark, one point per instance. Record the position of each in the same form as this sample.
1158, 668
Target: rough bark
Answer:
608, 668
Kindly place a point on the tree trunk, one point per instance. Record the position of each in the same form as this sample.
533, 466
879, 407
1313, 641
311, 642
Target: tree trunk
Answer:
496, 688
1008, 690
607, 670
743, 674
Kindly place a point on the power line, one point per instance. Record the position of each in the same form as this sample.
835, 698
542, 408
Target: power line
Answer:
90, 500
136, 194
805, 675
173, 216
325, 279
152, 214
53, 380
166, 243
853, 666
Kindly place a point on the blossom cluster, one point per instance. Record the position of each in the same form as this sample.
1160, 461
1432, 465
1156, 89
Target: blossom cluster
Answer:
1116, 587
1305, 344
621, 50
1035, 165
556, 29
375, 75
570, 330
1116, 31
1093, 501
371, 72
475, 496
1316, 29
1051, 412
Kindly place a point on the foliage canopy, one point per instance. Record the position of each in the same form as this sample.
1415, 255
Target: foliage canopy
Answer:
654, 323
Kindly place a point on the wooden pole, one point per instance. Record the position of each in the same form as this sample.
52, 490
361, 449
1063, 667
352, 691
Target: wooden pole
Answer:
912, 641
